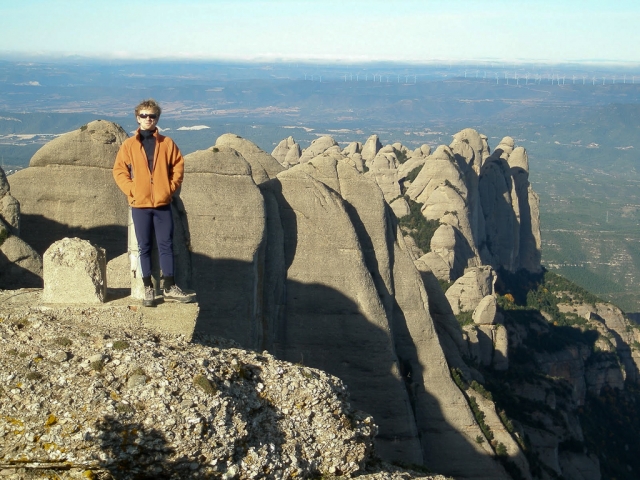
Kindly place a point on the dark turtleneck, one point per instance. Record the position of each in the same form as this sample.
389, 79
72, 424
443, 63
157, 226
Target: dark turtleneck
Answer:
149, 144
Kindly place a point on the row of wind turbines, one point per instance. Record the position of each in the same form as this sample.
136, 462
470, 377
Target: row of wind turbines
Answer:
375, 77
556, 78
506, 78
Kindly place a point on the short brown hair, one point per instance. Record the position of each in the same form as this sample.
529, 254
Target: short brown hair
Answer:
149, 104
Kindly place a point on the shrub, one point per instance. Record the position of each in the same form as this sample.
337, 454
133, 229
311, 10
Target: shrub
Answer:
204, 383
456, 374
125, 409
479, 415
62, 341
465, 318
444, 285
401, 156
501, 449
418, 227
120, 345
98, 365
413, 174
481, 390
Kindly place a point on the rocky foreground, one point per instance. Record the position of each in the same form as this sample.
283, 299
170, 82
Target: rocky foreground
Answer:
89, 393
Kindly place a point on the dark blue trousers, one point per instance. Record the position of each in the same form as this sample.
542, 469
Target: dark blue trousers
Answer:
146, 221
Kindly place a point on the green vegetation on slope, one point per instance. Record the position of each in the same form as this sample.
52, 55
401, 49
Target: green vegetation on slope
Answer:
610, 420
418, 227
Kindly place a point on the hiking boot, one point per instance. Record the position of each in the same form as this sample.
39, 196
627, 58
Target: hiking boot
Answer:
149, 297
175, 294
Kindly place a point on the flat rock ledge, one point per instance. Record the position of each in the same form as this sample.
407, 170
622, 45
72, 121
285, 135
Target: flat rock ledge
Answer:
91, 393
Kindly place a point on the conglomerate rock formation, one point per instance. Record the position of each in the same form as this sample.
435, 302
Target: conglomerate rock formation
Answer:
19, 263
302, 254
68, 190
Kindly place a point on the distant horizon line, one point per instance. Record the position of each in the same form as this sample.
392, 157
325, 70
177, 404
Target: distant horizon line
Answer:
311, 59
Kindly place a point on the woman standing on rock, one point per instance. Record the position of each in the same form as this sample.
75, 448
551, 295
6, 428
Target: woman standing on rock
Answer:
149, 168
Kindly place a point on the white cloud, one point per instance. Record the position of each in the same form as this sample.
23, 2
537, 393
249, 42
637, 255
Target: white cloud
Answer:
195, 127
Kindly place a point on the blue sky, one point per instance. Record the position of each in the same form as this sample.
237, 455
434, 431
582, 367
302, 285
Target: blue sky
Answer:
351, 30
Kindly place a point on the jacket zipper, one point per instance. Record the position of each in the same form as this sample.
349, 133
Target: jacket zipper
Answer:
153, 169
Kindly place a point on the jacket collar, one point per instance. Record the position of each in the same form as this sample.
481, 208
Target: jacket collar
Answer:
155, 134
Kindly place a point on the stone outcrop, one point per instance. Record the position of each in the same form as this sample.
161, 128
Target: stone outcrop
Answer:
486, 313
20, 265
9, 208
331, 298
352, 149
384, 169
400, 207
441, 188
317, 147
74, 271
68, 190
263, 165
287, 152
485, 197
468, 291
371, 148
222, 220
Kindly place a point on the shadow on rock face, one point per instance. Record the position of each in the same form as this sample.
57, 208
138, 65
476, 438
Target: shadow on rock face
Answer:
14, 276
40, 232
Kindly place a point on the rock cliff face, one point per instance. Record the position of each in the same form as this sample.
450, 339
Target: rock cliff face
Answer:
485, 200
68, 190
305, 258
20, 265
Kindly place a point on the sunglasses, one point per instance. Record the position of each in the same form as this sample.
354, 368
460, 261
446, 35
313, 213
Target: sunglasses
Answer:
152, 116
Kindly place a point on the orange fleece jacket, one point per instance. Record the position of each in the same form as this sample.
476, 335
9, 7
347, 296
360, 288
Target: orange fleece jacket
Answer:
144, 188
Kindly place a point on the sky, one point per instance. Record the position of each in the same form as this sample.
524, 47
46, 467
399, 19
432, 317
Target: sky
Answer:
318, 30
